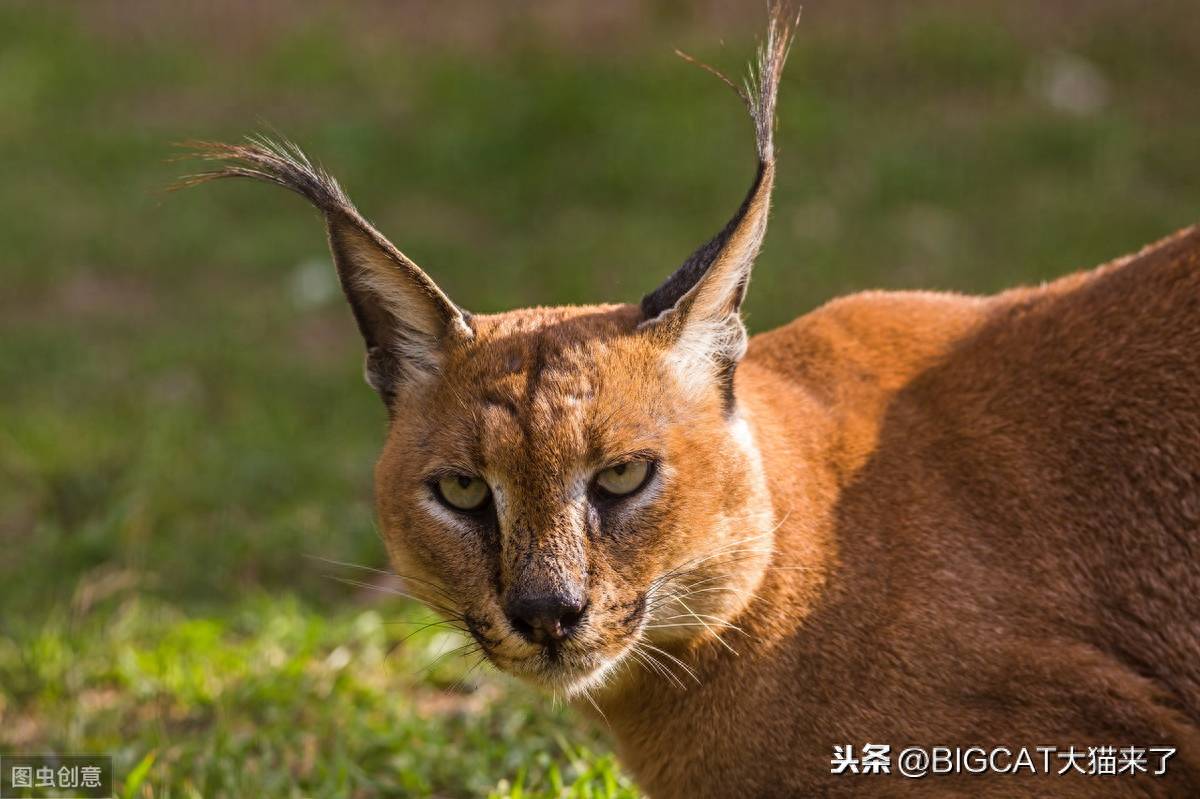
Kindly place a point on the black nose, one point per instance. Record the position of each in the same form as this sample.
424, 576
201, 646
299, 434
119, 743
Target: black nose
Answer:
544, 618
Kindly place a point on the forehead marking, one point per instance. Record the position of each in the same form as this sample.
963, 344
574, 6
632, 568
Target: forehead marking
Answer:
494, 398
543, 408
537, 367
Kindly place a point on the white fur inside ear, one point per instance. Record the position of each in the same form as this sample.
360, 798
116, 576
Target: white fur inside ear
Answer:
415, 343
397, 292
703, 350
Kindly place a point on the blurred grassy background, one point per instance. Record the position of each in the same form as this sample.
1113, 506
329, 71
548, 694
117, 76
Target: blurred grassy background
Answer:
183, 424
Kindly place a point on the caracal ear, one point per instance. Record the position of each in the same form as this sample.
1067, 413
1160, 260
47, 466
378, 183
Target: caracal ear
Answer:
405, 319
696, 312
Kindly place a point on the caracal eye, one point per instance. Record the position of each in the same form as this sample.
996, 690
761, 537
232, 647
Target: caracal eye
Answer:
463, 492
624, 478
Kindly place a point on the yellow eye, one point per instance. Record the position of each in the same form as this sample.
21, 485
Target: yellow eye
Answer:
463, 491
624, 478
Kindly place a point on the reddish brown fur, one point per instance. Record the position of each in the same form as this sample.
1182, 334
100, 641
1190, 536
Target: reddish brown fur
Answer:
989, 513
912, 519
537, 397
1004, 497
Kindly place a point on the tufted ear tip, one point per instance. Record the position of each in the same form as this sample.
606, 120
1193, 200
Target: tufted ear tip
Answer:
403, 316
697, 308
725, 260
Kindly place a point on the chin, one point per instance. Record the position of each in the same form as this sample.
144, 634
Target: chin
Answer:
569, 675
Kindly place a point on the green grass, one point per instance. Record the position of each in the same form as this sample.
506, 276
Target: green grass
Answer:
270, 698
182, 417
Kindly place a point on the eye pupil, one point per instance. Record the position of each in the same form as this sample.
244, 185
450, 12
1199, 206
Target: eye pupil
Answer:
462, 491
623, 479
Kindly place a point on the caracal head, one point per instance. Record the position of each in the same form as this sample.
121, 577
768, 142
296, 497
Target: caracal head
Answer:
577, 487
